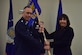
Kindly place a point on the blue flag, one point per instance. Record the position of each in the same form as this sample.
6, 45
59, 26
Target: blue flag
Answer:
34, 5
59, 13
10, 17
10, 32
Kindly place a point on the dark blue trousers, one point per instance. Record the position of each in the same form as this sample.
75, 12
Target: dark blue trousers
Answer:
10, 49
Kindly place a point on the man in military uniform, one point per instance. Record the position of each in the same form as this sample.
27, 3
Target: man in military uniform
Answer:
28, 40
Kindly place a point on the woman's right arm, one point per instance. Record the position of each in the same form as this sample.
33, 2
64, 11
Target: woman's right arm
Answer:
49, 36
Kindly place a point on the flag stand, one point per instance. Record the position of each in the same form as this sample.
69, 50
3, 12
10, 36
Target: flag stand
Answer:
49, 53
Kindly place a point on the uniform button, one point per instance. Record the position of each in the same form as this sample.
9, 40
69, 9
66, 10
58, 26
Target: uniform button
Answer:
40, 41
30, 34
27, 30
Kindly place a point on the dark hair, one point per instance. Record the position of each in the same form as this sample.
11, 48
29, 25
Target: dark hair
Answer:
26, 7
65, 17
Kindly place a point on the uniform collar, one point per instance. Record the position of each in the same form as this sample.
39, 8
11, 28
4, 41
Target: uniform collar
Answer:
24, 21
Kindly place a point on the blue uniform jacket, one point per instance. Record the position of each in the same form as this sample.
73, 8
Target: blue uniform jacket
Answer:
28, 40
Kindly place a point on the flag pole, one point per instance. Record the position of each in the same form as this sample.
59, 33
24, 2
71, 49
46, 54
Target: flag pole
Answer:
37, 14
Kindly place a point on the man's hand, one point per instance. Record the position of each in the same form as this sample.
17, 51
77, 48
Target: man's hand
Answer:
47, 45
41, 28
41, 54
